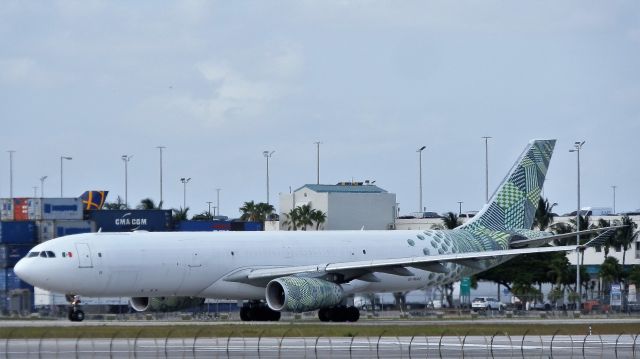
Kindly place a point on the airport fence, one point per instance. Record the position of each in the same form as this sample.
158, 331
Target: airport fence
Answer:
499, 345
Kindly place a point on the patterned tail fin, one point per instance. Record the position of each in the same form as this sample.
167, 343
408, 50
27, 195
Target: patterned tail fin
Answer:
513, 205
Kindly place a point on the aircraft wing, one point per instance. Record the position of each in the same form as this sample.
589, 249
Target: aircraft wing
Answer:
364, 269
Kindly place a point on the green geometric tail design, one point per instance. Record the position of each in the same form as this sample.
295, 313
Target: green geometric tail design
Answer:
513, 205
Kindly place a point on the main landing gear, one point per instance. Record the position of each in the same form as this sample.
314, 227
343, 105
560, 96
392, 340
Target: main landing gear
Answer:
75, 313
259, 312
339, 314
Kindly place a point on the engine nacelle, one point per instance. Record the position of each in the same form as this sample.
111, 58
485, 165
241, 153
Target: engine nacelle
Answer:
163, 304
299, 294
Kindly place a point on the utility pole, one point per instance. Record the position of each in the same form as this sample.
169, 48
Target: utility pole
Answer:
614, 198
126, 159
62, 173
217, 202
209, 203
419, 150
160, 148
42, 186
184, 191
460, 207
577, 146
318, 143
267, 155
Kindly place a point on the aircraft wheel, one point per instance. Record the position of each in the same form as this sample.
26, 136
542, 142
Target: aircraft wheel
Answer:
323, 314
353, 314
244, 314
79, 314
274, 315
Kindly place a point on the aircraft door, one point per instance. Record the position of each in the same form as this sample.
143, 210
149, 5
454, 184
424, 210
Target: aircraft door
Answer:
84, 255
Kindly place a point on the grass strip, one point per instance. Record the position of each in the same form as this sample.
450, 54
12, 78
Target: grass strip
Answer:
297, 330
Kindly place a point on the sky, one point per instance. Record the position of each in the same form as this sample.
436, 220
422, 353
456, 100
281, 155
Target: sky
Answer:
219, 82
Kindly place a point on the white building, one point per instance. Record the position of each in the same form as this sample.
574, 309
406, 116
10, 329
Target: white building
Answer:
347, 205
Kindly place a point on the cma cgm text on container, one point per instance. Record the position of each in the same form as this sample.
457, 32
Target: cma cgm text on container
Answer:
156, 220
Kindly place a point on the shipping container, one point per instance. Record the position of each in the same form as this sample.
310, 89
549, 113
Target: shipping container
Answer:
10, 254
18, 301
17, 232
252, 226
58, 208
10, 281
21, 209
154, 220
48, 230
14, 282
6, 209
202, 226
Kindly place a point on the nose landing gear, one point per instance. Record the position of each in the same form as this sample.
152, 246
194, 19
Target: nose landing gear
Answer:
75, 313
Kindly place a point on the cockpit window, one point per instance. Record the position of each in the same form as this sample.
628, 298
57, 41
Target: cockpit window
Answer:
50, 254
43, 254
33, 254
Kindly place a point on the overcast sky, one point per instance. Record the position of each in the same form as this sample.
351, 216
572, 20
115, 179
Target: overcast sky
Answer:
219, 82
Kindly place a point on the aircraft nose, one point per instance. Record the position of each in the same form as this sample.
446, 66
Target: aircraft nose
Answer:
21, 269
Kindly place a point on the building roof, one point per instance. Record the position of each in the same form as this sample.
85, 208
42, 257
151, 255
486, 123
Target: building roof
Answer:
330, 188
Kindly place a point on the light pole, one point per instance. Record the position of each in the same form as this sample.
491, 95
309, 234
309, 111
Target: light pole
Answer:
486, 168
42, 186
267, 155
419, 150
126, 159
209, 203
460, 207
577, 146
318, 143
160, 148
184, 191
11, 152
62, 172
217, 201
614, 198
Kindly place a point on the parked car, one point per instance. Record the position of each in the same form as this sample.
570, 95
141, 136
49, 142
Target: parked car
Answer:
486, 303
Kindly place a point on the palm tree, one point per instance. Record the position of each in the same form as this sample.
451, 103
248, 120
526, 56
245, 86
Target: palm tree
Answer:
610, 240
318, 216
290, 220
610, 272
304, 219
204, 216
451, 220
249, 211
255, 212
148, 203
626, 235
118, 204
544, 214
180, 214
264, 210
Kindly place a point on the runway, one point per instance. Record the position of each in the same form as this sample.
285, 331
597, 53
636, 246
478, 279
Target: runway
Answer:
614, 346
146, 323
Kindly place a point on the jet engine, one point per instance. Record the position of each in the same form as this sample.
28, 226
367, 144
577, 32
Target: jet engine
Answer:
299, 294
163, 304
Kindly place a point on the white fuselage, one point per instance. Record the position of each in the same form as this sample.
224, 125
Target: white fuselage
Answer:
144, 264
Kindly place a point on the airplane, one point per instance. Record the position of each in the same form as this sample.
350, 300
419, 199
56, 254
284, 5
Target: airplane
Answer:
293, 271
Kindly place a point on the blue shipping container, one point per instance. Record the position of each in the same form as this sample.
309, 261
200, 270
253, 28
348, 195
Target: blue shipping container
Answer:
252, 226
155, 220
67, 228
10, 281
202, 226
10, 254
17, 232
